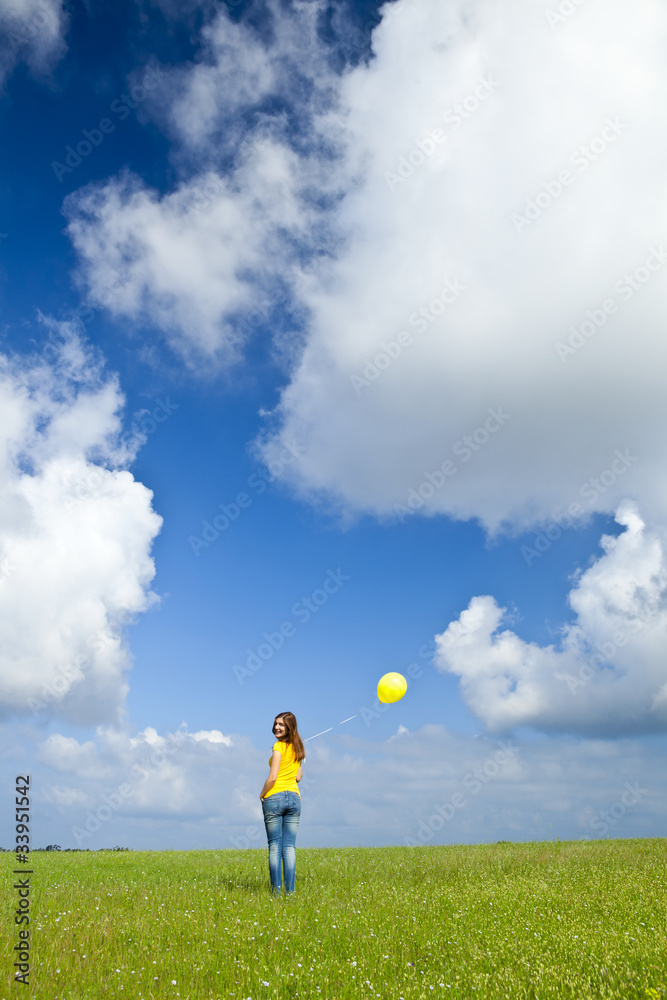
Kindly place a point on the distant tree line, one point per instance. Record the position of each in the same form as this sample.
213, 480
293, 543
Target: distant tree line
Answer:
57, 847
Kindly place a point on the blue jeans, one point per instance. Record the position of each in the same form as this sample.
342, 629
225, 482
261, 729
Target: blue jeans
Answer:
281, 819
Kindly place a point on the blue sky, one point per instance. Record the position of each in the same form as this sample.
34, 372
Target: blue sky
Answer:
299, 294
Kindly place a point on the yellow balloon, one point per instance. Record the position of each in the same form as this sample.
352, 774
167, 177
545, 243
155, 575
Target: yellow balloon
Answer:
392, 687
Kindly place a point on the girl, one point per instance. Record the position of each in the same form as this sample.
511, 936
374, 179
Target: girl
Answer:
281, 800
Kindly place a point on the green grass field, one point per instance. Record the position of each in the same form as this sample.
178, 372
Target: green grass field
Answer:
541, 920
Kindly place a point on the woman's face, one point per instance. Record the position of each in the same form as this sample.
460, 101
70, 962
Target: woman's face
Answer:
279, 728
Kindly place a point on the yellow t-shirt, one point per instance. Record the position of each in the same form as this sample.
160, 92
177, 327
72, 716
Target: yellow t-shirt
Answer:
289, 767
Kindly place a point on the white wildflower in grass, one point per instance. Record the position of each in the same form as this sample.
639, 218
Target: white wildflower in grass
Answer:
448, 916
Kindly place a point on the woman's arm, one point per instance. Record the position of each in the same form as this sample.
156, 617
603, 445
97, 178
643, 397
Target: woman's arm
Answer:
273, 773
299, 773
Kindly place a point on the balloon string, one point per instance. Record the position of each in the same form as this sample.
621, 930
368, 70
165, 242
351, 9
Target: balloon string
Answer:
330, 728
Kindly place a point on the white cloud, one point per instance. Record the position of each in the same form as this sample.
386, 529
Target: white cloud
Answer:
144, 778
75, 536
428, 786
528, 98
206, 263
415, 170
608, 676
277, 155
189, 263
32, 31
211, 736
256, 77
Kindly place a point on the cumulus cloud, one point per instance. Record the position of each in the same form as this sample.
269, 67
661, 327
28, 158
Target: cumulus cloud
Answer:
607, 674
211, 261
190, 263
503, 253
75, 535
483, 192
427, 786
32, 31
143, 779
273, 73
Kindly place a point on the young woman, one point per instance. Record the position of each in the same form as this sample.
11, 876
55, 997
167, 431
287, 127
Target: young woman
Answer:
281, 800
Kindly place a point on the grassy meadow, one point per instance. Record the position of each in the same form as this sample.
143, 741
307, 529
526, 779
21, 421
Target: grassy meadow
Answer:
567, 921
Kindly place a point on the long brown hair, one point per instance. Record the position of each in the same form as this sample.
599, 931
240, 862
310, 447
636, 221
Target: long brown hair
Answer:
291, 734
